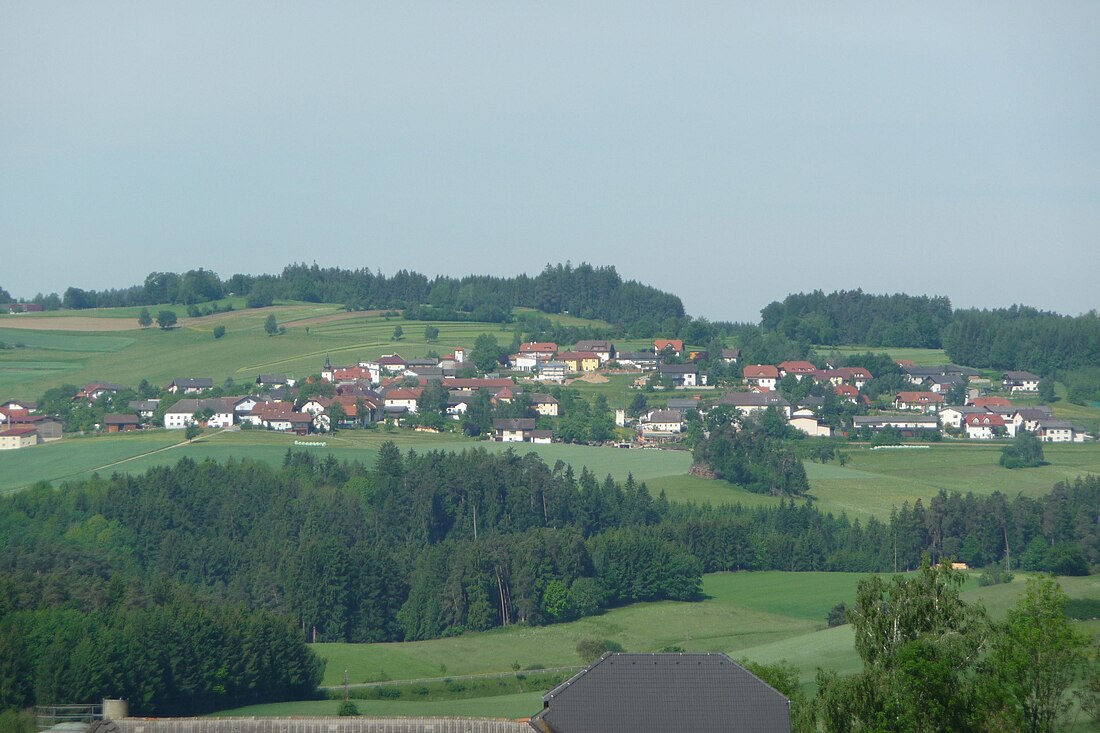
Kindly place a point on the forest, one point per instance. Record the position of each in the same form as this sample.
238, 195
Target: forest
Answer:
419, 546
584, 291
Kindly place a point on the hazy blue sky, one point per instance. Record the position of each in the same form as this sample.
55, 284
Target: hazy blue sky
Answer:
728, 152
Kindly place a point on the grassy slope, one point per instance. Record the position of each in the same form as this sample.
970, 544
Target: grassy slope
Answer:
52, 358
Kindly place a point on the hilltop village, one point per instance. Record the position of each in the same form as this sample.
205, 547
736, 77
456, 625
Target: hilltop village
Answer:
526, 397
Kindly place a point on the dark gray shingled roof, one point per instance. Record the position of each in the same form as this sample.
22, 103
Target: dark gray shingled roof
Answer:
641, 693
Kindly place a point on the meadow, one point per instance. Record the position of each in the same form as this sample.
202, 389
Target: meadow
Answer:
873, 482
38, 360
765, 617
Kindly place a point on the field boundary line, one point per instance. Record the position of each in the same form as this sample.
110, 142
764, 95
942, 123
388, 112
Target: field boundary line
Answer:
476, 676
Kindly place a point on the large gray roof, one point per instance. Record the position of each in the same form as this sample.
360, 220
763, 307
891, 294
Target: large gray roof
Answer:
658, 693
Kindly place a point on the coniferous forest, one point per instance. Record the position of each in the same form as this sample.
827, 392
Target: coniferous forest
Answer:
214, 575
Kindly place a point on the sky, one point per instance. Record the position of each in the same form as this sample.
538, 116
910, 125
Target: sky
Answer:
730, 153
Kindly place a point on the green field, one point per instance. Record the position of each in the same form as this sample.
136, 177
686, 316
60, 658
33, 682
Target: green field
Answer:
48, 358
764, 617
920, 357
872, 482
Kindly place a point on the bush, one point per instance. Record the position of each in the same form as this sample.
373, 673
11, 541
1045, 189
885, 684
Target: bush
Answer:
1083, 609
994, 575
837, 616
219, 331
389, 693
348, 709
590, 650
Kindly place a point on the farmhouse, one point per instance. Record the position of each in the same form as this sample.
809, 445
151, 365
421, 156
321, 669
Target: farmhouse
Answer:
799, 369
658, 693
1055, 431
672, 346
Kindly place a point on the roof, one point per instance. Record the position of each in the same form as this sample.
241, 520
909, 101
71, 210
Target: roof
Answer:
666, 416
121, 420
678, 368
797, 367
752, 399
592, 345
20, 430
538, 347
930, 420
577, 355
190, 407
756, 371
990, 402
731, 353
476, 383
390, 360
1022, 376
514, 423
919, 398
985, 419
538, 398
271, 379
663, 692
193, 383
662, 344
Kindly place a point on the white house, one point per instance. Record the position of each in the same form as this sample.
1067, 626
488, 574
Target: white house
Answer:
1021, 382
181, 414
984, 426
662, 422
1055, 431
762, 376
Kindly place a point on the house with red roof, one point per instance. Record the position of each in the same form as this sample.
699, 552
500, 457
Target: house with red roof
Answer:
984, 426
676, 346
798, 368
763, 376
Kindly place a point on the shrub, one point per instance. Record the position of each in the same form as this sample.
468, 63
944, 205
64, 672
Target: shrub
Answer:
348, 709
590, 650
1083, 609
219, 331
837, 616
994, 575
389, 693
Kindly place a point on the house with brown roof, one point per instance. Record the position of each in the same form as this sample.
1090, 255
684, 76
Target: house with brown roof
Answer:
989, 402
922, 401
762, 376
544, 404
545, 349
683, 375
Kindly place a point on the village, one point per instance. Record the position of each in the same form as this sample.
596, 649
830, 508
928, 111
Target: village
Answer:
521, 400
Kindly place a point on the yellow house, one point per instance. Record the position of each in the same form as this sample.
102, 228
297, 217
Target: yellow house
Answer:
580, 361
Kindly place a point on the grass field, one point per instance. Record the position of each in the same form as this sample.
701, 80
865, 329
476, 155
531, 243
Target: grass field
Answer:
48, 358
921, 357
872, 482
765, 617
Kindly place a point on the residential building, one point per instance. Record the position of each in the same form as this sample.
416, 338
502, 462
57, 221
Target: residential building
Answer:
552, 371
1055, 431
1021, 382
799, 369
121, 423
984, 426
580, 361
922, 401
514, 430
683, 375
762, 376
644, 360
544, 404
750, 402
907, 425
665, 346
604, 350
661, 422
181, 414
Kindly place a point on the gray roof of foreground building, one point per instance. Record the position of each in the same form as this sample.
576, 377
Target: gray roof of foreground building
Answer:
657, 693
